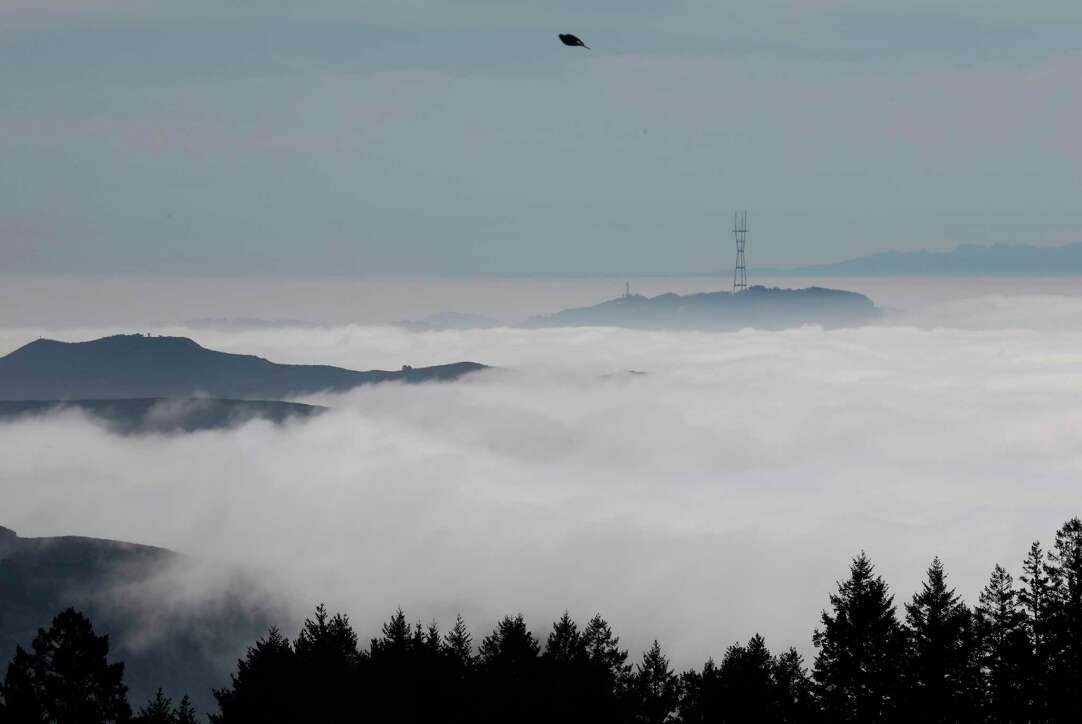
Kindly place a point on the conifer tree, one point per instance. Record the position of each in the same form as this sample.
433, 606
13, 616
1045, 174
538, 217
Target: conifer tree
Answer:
66, 678
159, 710
510, 661
1064, 571
458, 645
861, 647
607, 673
793, 695
942, 670
655, 688
747, 683
701, 699
1035, 598
185, 712
564, 644
265, 686
1004, 653
327, 657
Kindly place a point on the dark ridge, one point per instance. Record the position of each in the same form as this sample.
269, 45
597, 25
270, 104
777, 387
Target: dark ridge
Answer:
192, 647
964, 260
164, 415
759, 307
138, 366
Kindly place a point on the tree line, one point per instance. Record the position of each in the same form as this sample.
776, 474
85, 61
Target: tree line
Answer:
1016, 656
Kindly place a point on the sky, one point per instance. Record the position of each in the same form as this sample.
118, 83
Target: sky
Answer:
427, 137
722, 493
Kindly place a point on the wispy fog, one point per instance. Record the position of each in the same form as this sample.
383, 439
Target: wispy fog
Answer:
719, 494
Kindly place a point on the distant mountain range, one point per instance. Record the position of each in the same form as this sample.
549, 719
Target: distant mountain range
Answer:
139, 366
965, 260
758, 307
164, 415
185, 648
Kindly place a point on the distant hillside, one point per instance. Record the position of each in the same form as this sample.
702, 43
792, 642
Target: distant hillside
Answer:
968, 259
183, 647
448, 320
135, 366
161, 415
757, 307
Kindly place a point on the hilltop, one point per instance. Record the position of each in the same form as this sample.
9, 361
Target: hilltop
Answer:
758, 307
186, 648
139, 366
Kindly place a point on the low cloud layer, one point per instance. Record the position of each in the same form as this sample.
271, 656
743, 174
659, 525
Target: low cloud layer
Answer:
721, 493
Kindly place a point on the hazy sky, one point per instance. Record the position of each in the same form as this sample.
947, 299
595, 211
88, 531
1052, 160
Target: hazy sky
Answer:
423, 136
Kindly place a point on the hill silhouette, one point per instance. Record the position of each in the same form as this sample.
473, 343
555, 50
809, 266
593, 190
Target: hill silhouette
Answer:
758, 307
964, 260
163, 415
138, 366
187, 647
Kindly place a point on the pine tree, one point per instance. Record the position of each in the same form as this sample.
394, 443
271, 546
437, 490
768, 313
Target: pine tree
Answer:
861, 650
185, 713
1004, 650
1035, 597
607, 674
458, 645
943, 653
327, 657
564, 644
747, 683
794, 700
701, 699
655, 688
510, 661
159, 710
66, 678
1064, 571
604, 652
265, 686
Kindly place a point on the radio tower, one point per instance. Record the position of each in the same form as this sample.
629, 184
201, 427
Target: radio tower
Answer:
740, 232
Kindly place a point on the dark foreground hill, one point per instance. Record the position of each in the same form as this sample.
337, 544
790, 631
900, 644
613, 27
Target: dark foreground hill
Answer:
138, 366
166, 635
758, 307
164, 415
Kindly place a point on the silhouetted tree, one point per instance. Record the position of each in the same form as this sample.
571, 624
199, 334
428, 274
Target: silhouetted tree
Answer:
185, 712
159, 710
861, 646
66, 678
793, 695
701, 699
1035, 598
327, 657
1004, 651
942, 667
265, 687
655, 688
458, 645
608, 673
1064, 571
510, 663
749, 686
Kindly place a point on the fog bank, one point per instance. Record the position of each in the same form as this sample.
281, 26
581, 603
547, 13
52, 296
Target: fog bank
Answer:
719, 494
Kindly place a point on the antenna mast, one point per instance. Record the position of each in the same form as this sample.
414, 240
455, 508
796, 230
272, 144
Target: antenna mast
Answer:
740, 233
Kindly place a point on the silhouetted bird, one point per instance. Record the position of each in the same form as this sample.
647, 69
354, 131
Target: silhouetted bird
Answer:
573, 41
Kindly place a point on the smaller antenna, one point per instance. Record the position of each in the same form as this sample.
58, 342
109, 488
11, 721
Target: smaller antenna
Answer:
627, 289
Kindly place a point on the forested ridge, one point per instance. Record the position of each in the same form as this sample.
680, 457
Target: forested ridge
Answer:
1014, 656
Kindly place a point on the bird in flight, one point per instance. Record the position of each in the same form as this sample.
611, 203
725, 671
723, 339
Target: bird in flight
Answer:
573, 41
